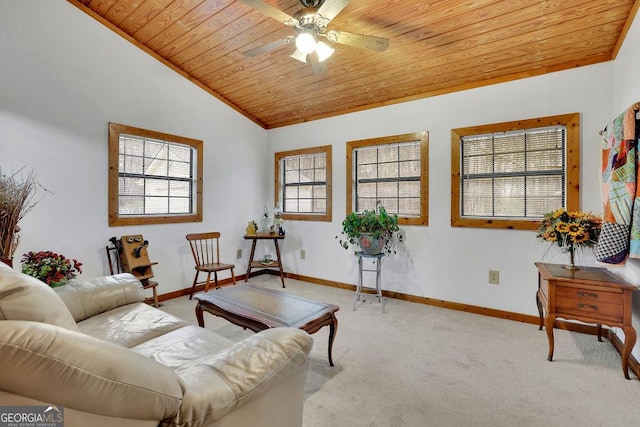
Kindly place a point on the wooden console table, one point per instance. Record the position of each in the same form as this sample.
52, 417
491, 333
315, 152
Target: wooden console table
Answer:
260, 264
590, 295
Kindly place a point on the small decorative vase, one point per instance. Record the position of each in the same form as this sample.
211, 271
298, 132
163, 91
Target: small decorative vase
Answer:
251, 228
9, 262
571, 266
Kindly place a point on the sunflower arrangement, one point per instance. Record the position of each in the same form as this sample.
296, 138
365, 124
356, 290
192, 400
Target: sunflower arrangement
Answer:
569, 230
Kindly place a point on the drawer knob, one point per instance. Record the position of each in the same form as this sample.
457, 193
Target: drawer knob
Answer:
587, 294
591, 306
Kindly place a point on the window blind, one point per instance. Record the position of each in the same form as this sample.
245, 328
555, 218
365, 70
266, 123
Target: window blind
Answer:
519, 174
388, 175
154, 177
305, 183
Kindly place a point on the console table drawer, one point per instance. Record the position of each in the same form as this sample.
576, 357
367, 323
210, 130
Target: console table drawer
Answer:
582, 294
588, 302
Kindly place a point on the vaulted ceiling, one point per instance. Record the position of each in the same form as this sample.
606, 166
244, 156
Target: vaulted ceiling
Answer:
435, 47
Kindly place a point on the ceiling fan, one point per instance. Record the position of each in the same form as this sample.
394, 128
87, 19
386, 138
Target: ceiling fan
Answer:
311, 24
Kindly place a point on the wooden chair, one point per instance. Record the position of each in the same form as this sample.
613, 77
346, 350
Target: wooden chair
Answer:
206, 254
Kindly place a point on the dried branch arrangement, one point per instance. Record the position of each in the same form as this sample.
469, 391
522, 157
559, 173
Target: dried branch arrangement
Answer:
16, 199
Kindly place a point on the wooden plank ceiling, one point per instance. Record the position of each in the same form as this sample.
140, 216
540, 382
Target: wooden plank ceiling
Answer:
435, 47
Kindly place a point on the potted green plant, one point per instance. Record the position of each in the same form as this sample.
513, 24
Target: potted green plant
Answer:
371, 231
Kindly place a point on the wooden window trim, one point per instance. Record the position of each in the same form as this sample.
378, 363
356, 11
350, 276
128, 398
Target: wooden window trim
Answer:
572, 172
327, 149
423, 137
115, 219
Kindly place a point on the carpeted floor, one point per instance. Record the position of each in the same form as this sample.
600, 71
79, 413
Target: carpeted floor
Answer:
418, 365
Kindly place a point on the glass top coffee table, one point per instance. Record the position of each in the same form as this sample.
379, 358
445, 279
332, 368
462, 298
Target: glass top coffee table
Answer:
257, 308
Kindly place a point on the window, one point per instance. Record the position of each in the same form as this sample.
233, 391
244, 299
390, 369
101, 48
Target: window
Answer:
154, 178
508, 175
390, 171
303, 183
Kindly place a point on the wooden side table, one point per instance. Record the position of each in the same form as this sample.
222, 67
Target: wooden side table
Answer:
259, 264
590, 295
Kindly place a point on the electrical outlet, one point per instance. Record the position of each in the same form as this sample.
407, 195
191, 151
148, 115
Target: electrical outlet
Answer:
494, 277
303, 254
239, 253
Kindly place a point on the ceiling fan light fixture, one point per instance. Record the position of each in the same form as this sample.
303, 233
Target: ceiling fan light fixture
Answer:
305, 42
323, 51
299, 55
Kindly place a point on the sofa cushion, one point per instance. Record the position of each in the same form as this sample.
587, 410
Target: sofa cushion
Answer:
182, 346
218, 383
130, 325
90, 297
68, 368
23, 297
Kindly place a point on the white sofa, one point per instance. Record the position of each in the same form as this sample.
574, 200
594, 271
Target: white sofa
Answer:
96, 349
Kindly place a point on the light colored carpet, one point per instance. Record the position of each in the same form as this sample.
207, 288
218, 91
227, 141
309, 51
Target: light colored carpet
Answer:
418, 365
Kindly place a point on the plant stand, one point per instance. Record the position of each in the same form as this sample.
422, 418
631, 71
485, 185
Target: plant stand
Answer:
377, 260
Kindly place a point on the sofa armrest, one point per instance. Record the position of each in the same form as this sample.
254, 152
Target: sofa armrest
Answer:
218, 384
88, 298
52, 364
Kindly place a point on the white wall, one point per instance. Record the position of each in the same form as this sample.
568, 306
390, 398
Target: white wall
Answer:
61, 82
442, 262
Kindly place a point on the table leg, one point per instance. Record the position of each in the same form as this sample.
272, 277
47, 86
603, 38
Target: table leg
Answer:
379, 282
275, 241
155, 297
199, 315
378, 292
333, 329
599, 332
359, 285
540, 310
548, 323
253, 251
629, 342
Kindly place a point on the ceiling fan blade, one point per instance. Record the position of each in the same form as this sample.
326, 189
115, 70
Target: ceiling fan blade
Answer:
267, 9
299, 55
330, 8
358, 40
269, 46
317, 66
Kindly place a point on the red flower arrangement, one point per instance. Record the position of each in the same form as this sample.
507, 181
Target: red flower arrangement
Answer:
51, 268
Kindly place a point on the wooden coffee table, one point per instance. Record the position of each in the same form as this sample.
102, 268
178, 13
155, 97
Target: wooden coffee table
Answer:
257, 308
